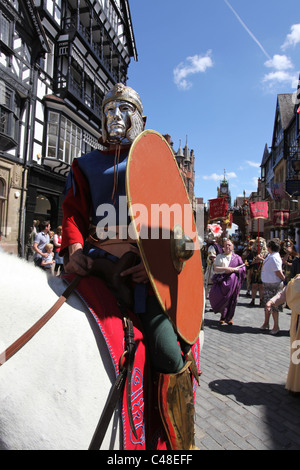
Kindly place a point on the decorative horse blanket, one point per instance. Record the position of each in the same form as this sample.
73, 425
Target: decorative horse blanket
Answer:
103, 307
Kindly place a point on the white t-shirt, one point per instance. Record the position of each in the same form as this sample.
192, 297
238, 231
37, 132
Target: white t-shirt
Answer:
222, 261
271, 264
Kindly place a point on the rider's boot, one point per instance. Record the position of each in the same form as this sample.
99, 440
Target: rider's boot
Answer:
176, 406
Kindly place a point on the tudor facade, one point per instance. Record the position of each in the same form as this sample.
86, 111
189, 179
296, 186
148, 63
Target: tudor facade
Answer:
280, 177
57, 60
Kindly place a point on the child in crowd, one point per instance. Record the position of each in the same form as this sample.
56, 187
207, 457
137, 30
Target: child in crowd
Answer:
48, 262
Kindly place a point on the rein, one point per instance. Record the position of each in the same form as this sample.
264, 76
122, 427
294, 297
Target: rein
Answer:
19, 343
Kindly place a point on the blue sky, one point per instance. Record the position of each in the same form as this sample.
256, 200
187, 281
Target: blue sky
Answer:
211, 71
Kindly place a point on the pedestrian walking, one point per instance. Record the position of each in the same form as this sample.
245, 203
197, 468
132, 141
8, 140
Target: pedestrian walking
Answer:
230, 273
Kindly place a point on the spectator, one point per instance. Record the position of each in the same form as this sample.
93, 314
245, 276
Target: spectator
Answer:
48, 262
31, 237
40, 241
272, 278
57, 239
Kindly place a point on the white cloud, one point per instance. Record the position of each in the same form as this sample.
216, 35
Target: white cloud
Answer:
192, 65
293, 38
283, 68
216, 177
254, 164
279, 62
282, 73
281, 76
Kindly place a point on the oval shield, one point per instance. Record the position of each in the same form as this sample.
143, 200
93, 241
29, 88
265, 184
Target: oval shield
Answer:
165, 229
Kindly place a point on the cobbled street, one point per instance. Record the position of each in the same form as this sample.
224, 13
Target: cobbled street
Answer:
242, 402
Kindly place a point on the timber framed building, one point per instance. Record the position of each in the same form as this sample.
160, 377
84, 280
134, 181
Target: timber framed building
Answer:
57, 60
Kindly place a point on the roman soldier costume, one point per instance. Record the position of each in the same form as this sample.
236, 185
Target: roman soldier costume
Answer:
95, 219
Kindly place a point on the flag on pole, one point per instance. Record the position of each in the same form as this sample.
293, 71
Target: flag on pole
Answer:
218, 208
259, 210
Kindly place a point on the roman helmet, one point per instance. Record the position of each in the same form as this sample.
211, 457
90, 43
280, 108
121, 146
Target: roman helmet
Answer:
121, 92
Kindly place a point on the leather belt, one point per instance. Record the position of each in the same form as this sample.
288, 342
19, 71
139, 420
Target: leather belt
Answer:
115, 246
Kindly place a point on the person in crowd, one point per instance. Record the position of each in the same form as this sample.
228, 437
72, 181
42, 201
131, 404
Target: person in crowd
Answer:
245, 254
287, 253
99, 178
259, 247
51, 235
214, 232
31, 237
40, 241
57, 239
48, 262
230, 273
295, 269
291, 295
272, 278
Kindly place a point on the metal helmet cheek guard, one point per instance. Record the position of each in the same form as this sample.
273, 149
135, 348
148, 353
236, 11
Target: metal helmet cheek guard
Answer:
120, 92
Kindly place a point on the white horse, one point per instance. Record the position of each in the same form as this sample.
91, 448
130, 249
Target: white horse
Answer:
53, 390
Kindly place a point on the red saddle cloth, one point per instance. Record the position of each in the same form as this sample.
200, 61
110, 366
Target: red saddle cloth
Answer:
103, 306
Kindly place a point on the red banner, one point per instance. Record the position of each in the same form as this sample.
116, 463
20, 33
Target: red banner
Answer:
258, 210
218, 208
281, 218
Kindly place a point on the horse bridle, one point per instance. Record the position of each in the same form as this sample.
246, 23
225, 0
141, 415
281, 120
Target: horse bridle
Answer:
125, 372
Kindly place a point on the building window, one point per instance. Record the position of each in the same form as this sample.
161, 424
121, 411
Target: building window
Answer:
5, 29
111, 14
48, 62
54, 9
76, 80
9, 116
64, 138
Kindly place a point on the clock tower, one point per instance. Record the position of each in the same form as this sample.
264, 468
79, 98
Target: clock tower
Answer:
223, 191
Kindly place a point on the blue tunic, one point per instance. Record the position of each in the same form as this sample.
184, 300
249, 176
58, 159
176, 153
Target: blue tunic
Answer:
101, 173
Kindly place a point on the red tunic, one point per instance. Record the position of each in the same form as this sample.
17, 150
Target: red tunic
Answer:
76, 211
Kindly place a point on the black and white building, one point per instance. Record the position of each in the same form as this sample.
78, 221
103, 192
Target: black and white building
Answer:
57, 60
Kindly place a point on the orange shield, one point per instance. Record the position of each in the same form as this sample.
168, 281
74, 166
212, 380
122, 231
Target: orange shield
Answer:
163, 224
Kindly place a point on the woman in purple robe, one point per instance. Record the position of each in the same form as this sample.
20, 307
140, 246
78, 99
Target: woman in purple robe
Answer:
230, 273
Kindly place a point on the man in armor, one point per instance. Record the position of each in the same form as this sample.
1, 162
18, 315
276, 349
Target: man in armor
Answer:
97, 179
288, 254
259, 247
